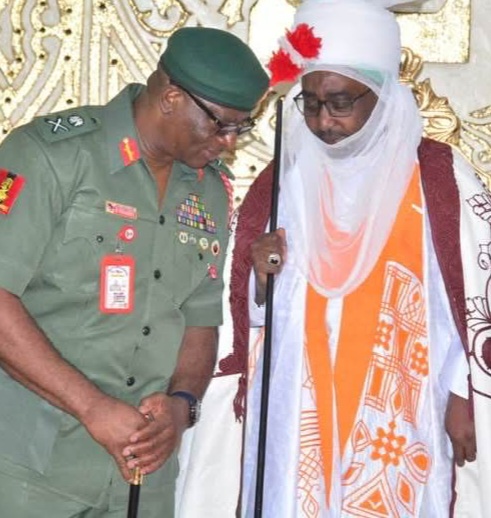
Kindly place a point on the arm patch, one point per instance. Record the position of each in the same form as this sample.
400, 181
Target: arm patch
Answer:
10, 186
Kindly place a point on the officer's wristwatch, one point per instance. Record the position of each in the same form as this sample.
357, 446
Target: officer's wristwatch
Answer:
194, 405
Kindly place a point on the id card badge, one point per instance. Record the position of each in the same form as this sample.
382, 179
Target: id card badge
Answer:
117, 284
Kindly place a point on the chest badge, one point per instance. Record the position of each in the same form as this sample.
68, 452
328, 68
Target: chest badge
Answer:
215, 247
183, 237
212, 271
193, 213
127, 233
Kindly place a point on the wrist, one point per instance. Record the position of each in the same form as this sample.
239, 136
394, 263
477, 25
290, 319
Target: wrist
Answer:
193, 405
90, 405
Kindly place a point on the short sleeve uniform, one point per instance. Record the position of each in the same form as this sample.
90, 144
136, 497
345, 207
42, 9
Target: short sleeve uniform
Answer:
87, 194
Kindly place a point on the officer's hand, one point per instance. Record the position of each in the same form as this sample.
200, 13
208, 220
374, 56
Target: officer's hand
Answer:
167, 419
460, 429
111, 423
268, 253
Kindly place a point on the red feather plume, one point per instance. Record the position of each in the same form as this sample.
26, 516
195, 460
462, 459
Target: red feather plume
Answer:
304, 42
282, 68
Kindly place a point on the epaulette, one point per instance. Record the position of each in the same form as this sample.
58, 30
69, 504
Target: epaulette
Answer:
219, 166
66, 124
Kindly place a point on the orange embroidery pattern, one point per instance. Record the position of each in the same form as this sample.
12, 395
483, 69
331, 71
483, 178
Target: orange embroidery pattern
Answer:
310, 465
386, 469
388, 447
419, 359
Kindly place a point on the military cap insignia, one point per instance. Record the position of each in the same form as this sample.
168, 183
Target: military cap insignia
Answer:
192, 213
10, 187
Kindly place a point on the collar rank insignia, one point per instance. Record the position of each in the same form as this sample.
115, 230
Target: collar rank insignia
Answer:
129, 150
10, 186
192, 213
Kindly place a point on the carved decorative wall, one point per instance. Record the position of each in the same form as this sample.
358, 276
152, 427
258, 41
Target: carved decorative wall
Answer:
60, 53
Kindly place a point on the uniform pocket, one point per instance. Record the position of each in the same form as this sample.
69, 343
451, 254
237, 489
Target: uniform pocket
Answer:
192, 260
86, 237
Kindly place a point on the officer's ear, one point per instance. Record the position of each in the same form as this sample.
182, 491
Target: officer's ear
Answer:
171, 99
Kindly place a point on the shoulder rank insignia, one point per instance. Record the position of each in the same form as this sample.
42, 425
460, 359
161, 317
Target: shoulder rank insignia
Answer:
10, 186
63, 125
56, 124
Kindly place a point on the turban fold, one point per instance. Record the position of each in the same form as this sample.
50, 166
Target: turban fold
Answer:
360, 34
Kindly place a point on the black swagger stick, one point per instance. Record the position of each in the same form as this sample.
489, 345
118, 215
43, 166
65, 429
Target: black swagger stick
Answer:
135, 493
136, 481
263, 416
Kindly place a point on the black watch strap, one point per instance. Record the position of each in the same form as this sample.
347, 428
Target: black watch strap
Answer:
194, 405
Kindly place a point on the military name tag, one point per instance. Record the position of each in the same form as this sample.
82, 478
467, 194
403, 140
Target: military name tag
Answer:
123, 211
117, 284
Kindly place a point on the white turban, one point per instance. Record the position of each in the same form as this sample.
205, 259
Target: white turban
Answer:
355, 33
358, 183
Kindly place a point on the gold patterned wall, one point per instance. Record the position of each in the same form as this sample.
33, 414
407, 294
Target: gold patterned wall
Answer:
60, 53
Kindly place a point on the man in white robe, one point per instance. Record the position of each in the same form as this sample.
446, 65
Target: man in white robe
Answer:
363, 175
369, 336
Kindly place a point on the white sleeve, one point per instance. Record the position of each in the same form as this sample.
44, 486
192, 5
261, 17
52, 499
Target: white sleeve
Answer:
455, 372
257, 313
453, 367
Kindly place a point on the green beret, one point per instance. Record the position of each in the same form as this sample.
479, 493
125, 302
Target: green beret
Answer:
215, 65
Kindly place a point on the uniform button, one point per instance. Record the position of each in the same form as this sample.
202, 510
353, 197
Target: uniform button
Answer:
130, 381
146, 330
161, 219
99, 238
157, 274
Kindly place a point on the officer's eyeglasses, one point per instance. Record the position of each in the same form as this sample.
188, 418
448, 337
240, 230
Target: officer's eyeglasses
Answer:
221, 128
310, 106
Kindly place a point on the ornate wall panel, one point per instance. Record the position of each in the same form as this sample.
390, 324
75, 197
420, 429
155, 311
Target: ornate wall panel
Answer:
60, 53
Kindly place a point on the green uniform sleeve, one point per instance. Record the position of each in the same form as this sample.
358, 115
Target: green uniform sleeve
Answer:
26, 230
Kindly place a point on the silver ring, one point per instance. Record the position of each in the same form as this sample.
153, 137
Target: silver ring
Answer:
274, 259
